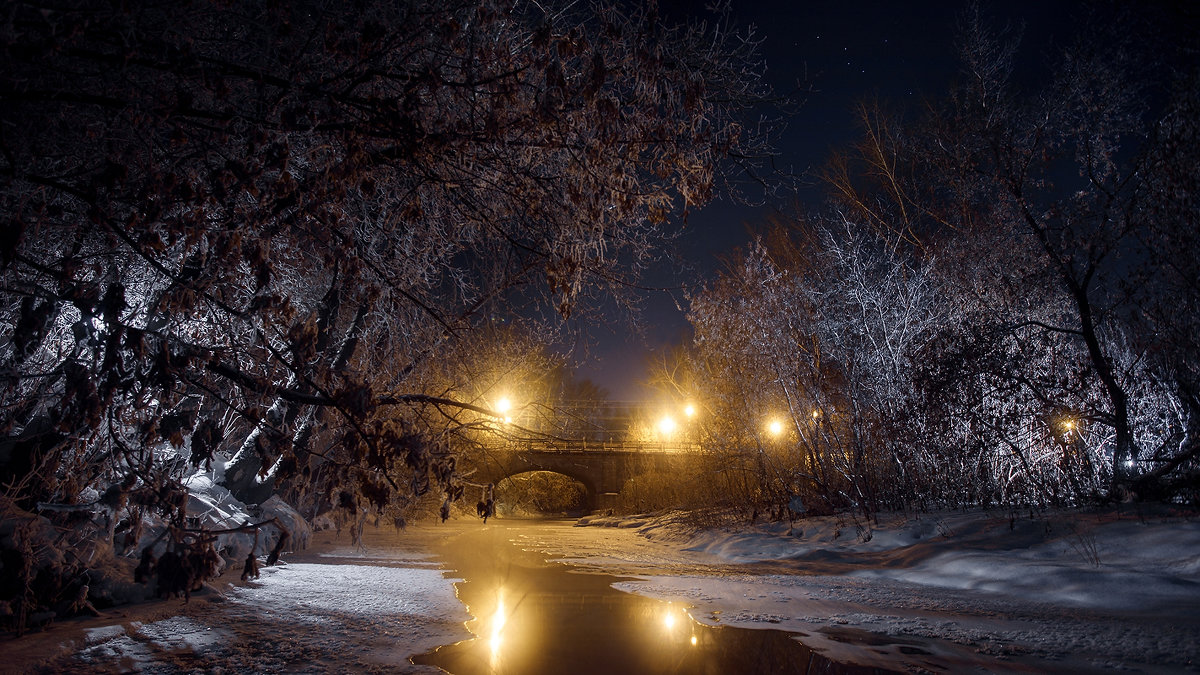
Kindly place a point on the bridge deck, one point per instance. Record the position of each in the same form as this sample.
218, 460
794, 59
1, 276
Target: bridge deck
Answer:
581, 446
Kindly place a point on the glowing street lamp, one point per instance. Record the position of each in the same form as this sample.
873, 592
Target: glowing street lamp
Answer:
689, 410
666, 425
775, 427
1067, 431
502, 407
1067, 426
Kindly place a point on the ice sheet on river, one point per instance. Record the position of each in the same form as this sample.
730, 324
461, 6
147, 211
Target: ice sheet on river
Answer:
1090, 591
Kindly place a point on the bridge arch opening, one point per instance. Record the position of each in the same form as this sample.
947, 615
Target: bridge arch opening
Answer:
541, 493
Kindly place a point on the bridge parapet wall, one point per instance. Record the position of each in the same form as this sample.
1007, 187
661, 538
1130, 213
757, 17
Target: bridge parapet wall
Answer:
602, 472
600, 446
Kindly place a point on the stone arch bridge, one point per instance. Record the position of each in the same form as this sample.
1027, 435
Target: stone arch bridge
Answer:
602, 468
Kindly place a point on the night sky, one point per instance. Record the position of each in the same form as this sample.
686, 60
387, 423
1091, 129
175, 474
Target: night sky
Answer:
837, 54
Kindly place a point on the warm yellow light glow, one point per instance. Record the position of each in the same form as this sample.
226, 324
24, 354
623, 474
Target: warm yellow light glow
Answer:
669, 620
498, 619
693, 640
1069, 424
816, 414
666, 425
775, 427
503, 405
689, 410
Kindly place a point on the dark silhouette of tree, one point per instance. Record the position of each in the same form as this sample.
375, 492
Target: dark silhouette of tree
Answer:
250, 228
1001, 304
1069, 171
1044, 197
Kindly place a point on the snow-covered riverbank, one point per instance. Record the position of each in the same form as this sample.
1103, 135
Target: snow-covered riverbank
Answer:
334, 608
974, 592
959, 591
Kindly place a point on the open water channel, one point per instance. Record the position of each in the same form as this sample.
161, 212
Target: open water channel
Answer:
536, 616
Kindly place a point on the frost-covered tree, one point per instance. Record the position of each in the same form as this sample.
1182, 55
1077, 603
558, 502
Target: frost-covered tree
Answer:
815, 329
246, 230
1004, 311
1048, 199
1068, 170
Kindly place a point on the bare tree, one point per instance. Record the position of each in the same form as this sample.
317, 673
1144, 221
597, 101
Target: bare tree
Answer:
805, 345
1041, 200
1068, 168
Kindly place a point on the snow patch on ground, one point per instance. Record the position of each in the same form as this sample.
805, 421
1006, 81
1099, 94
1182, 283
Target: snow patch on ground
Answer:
336, 609
123, 652
103, 633
1060, 590
182, 633
307, 589
951, 592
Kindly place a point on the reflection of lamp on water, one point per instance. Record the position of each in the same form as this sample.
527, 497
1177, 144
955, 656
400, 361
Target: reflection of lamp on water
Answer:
498, 620
670, 617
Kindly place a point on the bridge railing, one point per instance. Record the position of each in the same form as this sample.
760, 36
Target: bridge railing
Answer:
547, 445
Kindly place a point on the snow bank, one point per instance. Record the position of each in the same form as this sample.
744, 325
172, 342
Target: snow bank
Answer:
339, 608
1128, 565
1082, 559
213, 505
314, 590
1062, 591
216, 508
295, 523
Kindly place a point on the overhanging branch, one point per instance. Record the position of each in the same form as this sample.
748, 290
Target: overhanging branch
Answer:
249, 381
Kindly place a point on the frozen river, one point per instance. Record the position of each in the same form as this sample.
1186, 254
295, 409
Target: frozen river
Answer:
1072, 592
463, 597
538, 617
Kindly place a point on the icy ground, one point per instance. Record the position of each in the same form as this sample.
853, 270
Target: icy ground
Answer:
1058, 592
332, 609
944, 593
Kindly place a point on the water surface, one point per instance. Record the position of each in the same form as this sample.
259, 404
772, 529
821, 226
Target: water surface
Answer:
536, 617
